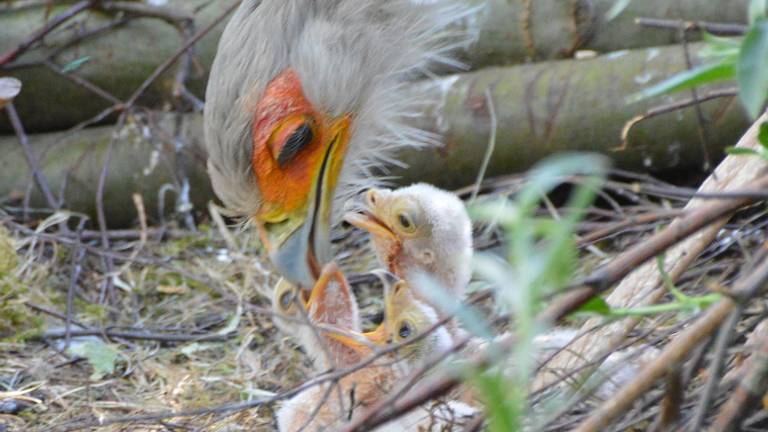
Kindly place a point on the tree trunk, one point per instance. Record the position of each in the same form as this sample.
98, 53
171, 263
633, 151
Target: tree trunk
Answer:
143, 160
514, 31
119, 59
569, 105
543, 108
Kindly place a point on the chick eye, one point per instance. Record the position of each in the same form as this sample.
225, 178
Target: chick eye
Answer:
286, 299
299, 139
405, 330
405, 222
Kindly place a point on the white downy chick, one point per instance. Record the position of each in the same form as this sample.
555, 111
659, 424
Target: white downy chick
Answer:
331, 304
420, 230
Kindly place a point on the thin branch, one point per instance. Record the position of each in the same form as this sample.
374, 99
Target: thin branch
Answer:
77, 256
145, 10
749, 393
491, 145
701, 121
722, 342
181, 51
719, 29
138, 335
598, 282
672, 107
754, 283
51, 25
32, 161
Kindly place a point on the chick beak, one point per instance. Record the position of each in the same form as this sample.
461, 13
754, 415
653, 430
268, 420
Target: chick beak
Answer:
377, 336
369, 219
317, 303
357, 342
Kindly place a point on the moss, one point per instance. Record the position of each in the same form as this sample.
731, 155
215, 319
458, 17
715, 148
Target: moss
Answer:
17, 323
94, 312
8, 258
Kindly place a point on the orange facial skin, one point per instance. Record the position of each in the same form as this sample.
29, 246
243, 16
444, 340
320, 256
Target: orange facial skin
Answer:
280, 111
298, 153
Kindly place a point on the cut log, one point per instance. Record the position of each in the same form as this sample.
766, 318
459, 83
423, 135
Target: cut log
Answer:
510, 32
644, 285
143, 160
542, 108
119, 59
567, 105
9, 89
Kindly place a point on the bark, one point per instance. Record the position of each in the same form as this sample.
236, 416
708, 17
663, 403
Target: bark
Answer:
541, 109
9, 89
143, 160
120, 59
513, 31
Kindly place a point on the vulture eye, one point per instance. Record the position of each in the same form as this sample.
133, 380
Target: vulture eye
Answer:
406, 223
299, 139
405, 330
286, 299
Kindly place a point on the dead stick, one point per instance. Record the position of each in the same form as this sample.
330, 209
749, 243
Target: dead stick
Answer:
180, 52
715, 371
141, 335
678, 230
672, 107
32, 161
568, 302
753, 283
720, 29
13, 53
749, 392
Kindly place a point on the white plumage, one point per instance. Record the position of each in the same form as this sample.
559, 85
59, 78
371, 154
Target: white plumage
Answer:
438, 245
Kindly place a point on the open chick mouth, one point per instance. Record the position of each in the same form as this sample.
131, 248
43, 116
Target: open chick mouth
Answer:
368, 221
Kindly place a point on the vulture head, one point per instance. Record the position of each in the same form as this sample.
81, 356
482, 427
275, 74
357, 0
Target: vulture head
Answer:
306, 100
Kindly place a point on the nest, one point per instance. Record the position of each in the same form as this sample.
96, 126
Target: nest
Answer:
183, 322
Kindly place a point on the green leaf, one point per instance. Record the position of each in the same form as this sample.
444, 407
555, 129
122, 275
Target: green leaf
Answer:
101, 357
752, 70
720, 71
233, 322
741, 151
618, 7
756, 11
75, 64
595, 305
762, 136
471, 318
719, 48
504, 400
720, 42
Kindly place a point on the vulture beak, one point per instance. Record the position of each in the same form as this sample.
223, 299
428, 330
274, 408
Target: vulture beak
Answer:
298, 156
